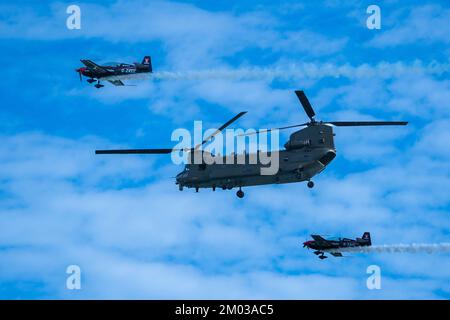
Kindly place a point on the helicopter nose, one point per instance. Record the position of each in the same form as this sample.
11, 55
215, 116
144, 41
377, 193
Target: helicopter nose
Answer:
179, 177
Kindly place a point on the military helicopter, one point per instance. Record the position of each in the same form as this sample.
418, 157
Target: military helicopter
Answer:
307, 152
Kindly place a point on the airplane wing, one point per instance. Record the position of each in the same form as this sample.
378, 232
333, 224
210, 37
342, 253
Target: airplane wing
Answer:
318, 238
95, 67
336, 254
116, 82
321, 241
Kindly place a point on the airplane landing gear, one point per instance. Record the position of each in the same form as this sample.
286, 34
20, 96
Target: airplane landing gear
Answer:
91, 80
310, 184
98, 85
240, 193
196, 189
322, 257
180, 187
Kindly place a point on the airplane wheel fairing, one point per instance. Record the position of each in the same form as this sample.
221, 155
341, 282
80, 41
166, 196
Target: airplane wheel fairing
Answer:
240, 194
310, 184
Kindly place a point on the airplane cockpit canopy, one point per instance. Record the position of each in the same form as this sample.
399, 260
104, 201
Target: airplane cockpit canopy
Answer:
334, 238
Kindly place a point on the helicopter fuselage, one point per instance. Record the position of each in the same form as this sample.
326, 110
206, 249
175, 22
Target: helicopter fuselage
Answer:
306, 154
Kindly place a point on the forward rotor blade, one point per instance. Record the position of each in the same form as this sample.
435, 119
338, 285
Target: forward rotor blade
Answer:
367, 123
305, 103
166, 151
226, 124
268, 130
136, 151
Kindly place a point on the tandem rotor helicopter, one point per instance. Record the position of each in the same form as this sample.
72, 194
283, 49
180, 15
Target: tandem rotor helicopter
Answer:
307, 152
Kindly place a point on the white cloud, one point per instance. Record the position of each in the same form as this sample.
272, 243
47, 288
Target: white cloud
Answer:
191, 35
135, 235
424, 24
138, 242
310, 43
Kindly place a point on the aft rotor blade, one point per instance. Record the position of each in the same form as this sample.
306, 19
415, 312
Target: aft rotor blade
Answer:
136, 151
305, 103
268, 130
367, 123
226, 124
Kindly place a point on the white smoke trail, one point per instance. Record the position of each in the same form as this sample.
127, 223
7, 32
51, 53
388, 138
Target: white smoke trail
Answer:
383, 70
402, 248
310, 70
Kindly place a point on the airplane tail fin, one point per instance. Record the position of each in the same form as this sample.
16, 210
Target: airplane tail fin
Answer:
366, 237
147, 62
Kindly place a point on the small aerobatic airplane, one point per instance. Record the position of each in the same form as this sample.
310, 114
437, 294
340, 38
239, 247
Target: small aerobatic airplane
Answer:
335, 245
113, 72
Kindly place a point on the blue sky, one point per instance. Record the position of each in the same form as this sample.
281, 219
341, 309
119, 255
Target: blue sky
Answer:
123, 220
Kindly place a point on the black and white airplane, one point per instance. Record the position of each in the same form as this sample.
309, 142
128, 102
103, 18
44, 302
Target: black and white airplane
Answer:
335, 245
113, 72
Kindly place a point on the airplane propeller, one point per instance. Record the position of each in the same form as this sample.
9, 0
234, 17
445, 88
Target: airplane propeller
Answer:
79, 73
310, 113
170, 150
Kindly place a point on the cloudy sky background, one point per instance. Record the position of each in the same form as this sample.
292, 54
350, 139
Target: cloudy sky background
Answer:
122, 218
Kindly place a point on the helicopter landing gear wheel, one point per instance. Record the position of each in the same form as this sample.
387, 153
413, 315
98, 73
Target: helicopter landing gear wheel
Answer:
196, 189
240, 194
310, 184
180, 187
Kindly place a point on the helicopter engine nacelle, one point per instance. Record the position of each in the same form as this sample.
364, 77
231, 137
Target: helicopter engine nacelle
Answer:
314, 136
